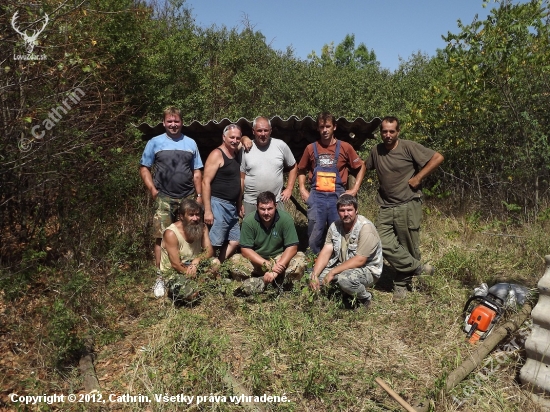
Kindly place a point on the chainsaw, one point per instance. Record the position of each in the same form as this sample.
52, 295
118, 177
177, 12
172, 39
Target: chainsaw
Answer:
481, 313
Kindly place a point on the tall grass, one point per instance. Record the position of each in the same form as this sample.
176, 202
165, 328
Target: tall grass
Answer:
307, 347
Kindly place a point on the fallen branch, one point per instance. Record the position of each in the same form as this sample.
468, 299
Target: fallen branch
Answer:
87, 369
298, 206
394, 395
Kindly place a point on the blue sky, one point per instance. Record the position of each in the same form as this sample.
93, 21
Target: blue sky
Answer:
392, 28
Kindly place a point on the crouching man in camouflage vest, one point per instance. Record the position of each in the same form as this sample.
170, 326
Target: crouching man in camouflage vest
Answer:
269, 247
185, 246
352, 254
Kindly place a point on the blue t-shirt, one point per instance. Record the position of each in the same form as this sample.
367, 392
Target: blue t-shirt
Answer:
174, 162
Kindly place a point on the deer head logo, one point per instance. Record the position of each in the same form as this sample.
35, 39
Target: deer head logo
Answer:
30, 41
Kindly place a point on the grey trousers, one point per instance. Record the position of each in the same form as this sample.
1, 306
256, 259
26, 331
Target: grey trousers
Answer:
354, 282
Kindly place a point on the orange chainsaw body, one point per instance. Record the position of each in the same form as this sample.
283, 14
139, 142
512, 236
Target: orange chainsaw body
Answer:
481, 319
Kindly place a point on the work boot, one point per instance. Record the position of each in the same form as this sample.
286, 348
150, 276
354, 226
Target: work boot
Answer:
364, 304
399, 292
250, 287
425, 269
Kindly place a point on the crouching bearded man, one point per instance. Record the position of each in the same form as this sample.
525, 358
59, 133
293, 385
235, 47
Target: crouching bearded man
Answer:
185, 244
351, 256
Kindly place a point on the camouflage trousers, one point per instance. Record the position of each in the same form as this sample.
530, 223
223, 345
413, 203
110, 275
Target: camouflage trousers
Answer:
242, 269
181, 289
353, 282
165, 213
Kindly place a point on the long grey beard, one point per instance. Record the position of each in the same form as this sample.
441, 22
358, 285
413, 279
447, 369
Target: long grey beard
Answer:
193, 231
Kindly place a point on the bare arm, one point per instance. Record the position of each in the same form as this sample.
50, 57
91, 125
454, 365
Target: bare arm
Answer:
320, 264
246, 143
172, 247
147, 177
206, 245
358, 180
241, 209
427, 170
210, 169
240, 201
281, 264
197, 182
279, 267
292, 174
302, 184
254, 258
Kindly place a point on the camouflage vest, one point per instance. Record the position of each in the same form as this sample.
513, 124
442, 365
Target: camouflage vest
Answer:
374, 262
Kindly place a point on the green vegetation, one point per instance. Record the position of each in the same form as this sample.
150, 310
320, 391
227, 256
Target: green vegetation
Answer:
75, 255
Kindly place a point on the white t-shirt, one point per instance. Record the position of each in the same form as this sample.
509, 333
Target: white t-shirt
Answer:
263, 169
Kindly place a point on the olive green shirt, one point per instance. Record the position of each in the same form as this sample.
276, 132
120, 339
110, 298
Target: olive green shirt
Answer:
395, 168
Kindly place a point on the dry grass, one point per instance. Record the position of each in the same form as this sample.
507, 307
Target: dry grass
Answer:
312, 350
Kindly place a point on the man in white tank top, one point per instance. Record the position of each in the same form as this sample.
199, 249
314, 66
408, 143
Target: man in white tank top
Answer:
185, 244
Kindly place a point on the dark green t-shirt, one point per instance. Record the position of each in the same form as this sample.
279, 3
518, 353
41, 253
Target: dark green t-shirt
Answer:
394, 169
268, 243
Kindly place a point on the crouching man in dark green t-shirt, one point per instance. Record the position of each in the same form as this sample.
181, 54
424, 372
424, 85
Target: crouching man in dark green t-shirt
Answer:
269, 248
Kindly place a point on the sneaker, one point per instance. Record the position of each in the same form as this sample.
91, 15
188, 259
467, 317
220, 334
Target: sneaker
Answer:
399, 292
159, 290
425, 269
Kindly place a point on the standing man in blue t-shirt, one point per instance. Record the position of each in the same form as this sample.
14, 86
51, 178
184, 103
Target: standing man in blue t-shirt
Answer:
176, 163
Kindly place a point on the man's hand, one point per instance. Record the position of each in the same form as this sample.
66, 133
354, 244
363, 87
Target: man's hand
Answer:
352, 192
154, 192
414, 182
191, 271
328, 278
278, 268
241, 212
199, 200
246, 143
314, 283
208, 218
305, 195
285, 194
270, 277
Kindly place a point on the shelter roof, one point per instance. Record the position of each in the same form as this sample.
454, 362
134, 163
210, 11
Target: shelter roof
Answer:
297, 133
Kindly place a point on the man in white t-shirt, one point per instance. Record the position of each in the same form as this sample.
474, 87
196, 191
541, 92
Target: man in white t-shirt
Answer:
263, 165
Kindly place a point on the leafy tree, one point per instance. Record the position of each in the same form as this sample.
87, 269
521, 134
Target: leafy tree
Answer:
486, 107
62, 119
346, 54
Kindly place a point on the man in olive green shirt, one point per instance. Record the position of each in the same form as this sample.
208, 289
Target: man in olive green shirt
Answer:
401, 165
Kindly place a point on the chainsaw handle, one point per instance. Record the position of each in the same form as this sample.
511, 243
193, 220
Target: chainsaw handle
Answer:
472, 330
489, 299
467, 305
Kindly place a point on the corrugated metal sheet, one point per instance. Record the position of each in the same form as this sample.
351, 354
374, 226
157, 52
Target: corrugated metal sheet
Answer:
535, 374
297, 133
